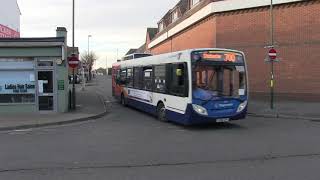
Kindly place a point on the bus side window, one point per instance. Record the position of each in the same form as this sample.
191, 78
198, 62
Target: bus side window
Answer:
159, 84
147, 78
178, 76
123, 76
137, 78
130, 77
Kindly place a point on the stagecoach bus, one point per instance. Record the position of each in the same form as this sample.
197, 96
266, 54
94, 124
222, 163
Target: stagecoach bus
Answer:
187, 87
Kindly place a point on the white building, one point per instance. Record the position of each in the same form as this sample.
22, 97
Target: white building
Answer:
9, 19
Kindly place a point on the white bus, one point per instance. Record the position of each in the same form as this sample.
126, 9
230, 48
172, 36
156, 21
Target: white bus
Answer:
188, 87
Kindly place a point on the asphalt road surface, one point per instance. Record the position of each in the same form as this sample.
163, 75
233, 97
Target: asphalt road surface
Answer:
128, 144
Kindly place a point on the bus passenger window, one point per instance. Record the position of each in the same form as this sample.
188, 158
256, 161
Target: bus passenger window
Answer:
159, 84
137, 78
130, 77
147, 78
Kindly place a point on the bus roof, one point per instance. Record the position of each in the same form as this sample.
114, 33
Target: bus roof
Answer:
168, 57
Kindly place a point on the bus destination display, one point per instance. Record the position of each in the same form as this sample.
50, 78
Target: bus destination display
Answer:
218, 56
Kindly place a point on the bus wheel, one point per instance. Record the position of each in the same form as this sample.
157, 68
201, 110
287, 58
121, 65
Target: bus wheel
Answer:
161, 112
123, 100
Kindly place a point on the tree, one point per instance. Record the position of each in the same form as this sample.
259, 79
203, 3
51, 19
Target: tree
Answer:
89, 59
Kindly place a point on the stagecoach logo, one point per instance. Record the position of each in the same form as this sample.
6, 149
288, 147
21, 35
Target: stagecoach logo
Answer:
225, 104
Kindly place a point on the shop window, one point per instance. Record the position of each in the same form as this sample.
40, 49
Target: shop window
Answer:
159, 84
17, 98
45, 63
19, 88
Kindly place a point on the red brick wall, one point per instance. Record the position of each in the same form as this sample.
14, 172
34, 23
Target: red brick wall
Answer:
190, 38
297, 33
298, 38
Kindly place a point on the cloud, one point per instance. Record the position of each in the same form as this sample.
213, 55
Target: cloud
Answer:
113, 24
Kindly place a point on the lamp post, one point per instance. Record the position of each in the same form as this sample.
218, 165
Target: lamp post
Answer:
73, 52
272, 62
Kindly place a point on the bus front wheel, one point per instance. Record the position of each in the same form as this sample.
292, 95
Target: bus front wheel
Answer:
161, 112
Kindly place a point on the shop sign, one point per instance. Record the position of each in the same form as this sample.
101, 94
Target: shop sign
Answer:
17, 88
61, 85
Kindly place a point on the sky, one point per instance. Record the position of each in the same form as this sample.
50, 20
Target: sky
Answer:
113, 24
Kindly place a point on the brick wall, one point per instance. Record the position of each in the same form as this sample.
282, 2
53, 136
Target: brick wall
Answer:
297, 34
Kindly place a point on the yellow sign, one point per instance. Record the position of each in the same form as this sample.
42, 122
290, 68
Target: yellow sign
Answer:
179, 72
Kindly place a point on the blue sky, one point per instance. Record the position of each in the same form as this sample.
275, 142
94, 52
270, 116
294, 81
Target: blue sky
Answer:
113, 24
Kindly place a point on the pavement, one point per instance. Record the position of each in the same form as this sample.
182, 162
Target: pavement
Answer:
90, 106
290, 109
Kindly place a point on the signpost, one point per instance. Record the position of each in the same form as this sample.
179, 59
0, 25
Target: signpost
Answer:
73, 62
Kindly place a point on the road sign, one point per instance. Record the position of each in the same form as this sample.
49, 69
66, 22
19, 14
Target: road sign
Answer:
73, 61
272, 54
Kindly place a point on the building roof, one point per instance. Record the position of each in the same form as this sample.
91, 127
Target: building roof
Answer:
46, 39
141, 49
32, 42
152, 32
131, 51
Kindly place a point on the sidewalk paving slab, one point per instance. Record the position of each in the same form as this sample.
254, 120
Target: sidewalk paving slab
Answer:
285, 109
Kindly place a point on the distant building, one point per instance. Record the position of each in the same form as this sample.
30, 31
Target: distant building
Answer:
9, 19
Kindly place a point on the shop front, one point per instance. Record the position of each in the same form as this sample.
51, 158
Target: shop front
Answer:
33, 75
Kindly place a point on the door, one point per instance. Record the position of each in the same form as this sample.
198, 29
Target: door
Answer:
46, 91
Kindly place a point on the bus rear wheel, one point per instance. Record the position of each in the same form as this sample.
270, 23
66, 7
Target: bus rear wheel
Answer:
161, 112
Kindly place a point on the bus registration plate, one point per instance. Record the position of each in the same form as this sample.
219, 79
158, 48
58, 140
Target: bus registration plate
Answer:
222, 120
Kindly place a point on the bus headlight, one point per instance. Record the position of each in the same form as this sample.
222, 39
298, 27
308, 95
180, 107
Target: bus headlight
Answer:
242, 106
199, 109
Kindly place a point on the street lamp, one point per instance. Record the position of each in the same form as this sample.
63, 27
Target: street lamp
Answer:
82, 68
89, 36
73, 52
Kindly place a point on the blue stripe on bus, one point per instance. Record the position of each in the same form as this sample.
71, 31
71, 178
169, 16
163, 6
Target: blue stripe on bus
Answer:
189, 118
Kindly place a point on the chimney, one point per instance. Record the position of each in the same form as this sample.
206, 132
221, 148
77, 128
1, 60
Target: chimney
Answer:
62, 32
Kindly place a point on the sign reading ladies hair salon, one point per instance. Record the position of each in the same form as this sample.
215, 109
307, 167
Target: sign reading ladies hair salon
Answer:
18, 88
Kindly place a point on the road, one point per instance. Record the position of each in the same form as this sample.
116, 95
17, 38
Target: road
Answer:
128, 144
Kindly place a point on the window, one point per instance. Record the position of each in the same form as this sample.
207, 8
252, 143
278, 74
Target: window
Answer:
159, 84
45, 63
175, 15
178, 79
123, 76
147, 78
137, 78
194, 2
161, 26
130, 77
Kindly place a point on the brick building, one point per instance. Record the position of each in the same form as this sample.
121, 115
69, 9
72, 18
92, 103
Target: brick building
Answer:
9, 19
245, 25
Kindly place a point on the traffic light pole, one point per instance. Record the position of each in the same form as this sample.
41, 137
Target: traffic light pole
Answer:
272, 61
